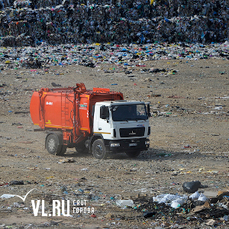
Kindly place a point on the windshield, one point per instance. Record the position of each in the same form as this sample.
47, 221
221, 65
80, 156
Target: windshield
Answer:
129, 112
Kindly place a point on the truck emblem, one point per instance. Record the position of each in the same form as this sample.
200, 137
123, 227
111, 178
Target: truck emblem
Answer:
49, 103
132, 133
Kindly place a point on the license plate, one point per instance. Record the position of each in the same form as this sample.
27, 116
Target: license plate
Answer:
132, 144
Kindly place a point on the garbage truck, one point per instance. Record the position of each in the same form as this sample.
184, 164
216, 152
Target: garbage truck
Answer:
98, 121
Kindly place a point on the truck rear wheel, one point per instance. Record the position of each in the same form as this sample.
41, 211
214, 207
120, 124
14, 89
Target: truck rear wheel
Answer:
81, 148
63, 151
133, 154
53, 145
99, 149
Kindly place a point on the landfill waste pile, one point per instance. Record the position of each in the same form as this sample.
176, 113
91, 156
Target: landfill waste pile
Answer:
193, 210
124, 57
30, 23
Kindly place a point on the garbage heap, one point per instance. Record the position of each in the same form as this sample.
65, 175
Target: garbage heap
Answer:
174, 211
124, 56
25, 22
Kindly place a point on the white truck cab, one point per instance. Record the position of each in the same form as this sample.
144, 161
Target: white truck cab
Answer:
123, 126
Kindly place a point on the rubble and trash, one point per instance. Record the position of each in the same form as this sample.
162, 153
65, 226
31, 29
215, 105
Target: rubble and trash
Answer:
7, 196
15, 182
90, 55
175, 201
192, 186
26, 23
125, 203
149, 214
192, 211
55, 84
66, 160
52, 34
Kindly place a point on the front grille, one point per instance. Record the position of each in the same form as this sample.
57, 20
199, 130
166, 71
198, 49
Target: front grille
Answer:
132, 132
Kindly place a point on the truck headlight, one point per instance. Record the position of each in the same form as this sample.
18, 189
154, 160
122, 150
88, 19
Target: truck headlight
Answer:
147, 142
114, 144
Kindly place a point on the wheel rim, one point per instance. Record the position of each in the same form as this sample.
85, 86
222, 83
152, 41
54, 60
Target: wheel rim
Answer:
51, 144
99, 150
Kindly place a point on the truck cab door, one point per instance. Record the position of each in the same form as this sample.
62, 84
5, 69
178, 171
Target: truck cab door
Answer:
102, 121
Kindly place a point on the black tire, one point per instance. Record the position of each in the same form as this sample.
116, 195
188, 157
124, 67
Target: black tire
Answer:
53, 144
99, 149
81, 148
63, 151
133, 154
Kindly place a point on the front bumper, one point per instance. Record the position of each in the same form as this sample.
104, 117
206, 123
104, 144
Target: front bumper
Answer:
126, 145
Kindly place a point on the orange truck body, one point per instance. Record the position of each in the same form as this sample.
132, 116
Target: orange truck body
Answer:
68, 109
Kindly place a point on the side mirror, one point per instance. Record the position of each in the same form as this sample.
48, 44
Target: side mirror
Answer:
104, 112
148, 110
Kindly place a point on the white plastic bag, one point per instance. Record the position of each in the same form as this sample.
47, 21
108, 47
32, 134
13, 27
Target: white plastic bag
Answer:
195, 195
124, 203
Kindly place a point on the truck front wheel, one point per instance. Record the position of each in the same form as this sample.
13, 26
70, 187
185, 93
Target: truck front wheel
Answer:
133, 154
53, 145
99, 149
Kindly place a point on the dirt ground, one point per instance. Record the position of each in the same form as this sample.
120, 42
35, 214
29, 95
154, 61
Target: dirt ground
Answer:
189, 141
